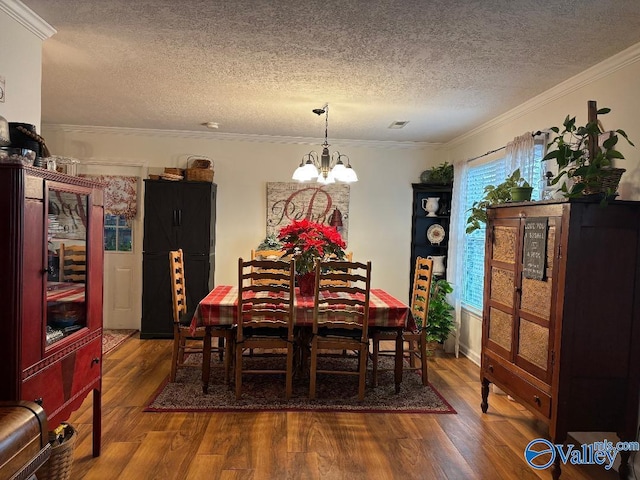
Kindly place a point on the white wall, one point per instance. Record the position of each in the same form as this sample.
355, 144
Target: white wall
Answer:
615, 83
21, 35
380, 204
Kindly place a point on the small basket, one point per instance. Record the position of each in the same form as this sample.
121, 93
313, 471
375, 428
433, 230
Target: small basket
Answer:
607, 181
58, 466
199, 169
174, 171
201, 163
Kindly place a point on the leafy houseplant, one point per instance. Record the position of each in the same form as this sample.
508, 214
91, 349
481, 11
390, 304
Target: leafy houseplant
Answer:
440, 321
591, 173
271, 242
494, 195
442, 173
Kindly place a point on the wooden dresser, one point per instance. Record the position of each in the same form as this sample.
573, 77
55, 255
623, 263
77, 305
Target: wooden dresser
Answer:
51, 328
561, 317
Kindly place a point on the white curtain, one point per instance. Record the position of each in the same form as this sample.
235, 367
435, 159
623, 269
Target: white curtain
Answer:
455, 264
520, 154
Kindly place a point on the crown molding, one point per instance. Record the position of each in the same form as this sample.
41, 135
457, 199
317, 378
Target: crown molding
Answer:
27, 18
236, 137
590, 75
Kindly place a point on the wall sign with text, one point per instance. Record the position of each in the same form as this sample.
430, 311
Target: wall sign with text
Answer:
289, 201
535, 248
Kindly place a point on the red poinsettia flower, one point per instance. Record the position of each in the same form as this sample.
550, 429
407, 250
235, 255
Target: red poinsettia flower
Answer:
308, 240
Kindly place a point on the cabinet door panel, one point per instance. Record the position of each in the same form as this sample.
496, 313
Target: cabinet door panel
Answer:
533, 343
534, 312
193, 232
157, 309
160, 216
505, 243
33, 284
500, 287
500, 329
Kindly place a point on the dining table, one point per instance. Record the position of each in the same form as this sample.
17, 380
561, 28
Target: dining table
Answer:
220, 308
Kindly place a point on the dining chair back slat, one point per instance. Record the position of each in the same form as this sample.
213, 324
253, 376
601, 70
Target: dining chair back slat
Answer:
329, 279
268, 255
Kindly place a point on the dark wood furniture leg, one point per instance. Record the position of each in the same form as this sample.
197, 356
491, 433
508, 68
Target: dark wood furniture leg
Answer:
97, 420
484, 405
206, 360
397, 375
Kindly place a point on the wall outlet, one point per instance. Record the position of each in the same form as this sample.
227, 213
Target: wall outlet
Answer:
2, 89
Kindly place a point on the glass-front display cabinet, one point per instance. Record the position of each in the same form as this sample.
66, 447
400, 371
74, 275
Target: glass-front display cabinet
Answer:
67, 222
51, 328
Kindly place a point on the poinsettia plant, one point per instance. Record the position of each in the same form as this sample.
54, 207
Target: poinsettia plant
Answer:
307, 240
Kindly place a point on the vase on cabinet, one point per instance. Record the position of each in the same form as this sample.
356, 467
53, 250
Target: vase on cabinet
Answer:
438, 264
430, 205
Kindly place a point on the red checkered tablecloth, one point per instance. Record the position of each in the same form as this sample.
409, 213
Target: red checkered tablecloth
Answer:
65, 292
219, 307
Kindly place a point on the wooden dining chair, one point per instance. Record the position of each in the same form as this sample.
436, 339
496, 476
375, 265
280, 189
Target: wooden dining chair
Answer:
269, 255
348, 257
73, 263
340, 318
265, 317
183, 341
416, 341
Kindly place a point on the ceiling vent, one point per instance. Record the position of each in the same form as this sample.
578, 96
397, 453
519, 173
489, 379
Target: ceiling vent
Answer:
399, 124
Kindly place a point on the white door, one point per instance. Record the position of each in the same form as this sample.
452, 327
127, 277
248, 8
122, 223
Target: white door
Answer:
122, 270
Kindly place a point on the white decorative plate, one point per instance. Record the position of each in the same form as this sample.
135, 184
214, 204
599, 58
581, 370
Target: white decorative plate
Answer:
435, 233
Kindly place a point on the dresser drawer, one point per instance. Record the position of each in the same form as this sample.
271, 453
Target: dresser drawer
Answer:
65, 379
526, 393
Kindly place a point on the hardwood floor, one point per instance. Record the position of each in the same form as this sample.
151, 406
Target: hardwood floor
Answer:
303, 445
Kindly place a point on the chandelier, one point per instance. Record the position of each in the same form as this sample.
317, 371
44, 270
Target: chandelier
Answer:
325, 168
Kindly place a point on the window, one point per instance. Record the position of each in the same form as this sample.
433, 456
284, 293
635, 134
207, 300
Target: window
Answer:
117, 233
478, 176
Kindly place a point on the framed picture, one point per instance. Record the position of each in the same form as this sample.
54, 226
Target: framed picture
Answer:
289, 201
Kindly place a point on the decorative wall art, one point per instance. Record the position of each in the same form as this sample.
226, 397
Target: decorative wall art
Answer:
120, 194
289, 201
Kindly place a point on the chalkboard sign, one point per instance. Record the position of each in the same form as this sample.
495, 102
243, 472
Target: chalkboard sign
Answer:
535, 248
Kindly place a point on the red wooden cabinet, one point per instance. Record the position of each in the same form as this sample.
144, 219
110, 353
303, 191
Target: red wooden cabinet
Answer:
51, 324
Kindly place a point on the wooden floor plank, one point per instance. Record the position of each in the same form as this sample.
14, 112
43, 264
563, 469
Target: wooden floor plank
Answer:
305, 445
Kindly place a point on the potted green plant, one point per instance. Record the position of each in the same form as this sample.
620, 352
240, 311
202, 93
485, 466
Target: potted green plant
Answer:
270, 242
589, 173
522, 191
440, 319
494, 195
442, 173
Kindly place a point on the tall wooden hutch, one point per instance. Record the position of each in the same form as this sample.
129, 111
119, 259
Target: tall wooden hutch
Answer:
51, 325
561, 318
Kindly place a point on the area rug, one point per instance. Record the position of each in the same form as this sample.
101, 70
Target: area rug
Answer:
335, 393
112, 339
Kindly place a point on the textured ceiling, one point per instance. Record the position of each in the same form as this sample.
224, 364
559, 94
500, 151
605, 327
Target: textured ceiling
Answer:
260, 66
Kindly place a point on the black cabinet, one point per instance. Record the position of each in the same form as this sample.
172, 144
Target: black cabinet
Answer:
430, 225
176, 215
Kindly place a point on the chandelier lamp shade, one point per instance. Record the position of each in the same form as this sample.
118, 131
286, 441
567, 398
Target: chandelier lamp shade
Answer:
325, 168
